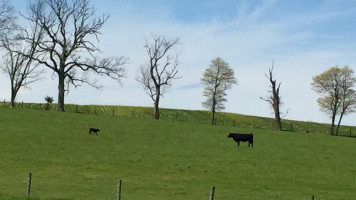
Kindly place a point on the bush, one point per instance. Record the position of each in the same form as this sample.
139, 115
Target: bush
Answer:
49, 101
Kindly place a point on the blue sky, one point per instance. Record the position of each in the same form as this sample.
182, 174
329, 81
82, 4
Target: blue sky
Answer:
304, 38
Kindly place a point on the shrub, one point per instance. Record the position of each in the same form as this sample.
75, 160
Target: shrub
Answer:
49, 101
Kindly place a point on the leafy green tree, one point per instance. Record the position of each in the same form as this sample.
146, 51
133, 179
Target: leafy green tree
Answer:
338, 98
217, 78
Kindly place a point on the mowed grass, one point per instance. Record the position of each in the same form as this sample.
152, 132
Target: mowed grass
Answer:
160, 160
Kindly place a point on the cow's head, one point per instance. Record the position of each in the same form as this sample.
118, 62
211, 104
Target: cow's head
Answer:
229, 135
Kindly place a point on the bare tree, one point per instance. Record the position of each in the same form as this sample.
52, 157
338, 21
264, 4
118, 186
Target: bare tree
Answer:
161, 69
217, 78
66, 46
21, 69
274, 98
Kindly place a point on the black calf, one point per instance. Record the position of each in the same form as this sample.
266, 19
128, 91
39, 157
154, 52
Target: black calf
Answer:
94, 131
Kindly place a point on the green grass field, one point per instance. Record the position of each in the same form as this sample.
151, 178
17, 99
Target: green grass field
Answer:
166, 159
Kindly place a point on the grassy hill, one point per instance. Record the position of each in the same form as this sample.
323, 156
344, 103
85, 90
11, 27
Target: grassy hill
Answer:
195, 116
178, 157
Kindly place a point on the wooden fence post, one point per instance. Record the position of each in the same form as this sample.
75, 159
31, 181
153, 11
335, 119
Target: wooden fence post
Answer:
212, 191
119, 190
113, 111
29, 184
312, 197
310, 128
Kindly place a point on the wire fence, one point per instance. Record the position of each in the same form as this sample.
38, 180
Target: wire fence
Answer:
119, 189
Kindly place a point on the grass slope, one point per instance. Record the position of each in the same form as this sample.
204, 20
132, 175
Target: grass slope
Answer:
166, 160
194, 116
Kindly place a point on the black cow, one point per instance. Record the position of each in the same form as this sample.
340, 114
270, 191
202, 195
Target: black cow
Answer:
238, 137
94, 131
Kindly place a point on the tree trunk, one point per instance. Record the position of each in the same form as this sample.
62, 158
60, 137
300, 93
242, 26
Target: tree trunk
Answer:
338, 124
277, 116
213, 112
332, 124
61, 91
278, 122
333, 116
275, 105
156, 103
13, 97
213, 117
